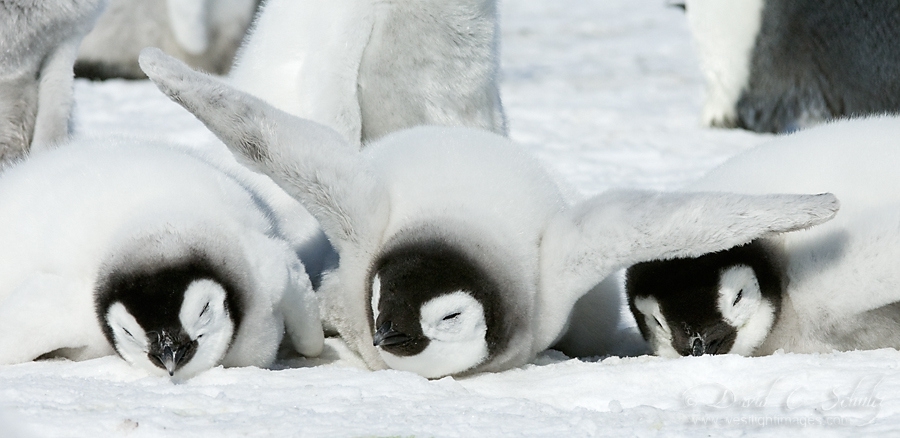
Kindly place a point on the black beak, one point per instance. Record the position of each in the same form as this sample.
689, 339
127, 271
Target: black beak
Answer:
697, 347
387, 336
710, 344
168, 355
168, 359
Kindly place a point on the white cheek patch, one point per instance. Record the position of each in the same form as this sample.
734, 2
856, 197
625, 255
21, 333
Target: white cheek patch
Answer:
660, 333
130, 339
376, 297
205, 319
737, 281
456, 327
751, 315
755, 331
724, 32
467, 324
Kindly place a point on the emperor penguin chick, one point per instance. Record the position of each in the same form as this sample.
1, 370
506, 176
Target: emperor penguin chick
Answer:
459, 253
832, 287
155, 253
723, 302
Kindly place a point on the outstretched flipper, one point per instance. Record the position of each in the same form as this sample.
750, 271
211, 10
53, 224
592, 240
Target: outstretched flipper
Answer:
310, 161
614, 230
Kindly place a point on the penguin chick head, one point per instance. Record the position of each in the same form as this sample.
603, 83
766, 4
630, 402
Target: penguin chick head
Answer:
724, 302
434, 311
176, 321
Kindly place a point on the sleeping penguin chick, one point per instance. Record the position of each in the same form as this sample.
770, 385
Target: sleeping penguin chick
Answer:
831, 287
722, 302
440, 312
154, 253
459, 253
180, 317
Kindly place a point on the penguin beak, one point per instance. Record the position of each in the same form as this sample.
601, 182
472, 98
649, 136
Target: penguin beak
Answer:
169, 354
168, 360
386, 336
710, 344
697, 347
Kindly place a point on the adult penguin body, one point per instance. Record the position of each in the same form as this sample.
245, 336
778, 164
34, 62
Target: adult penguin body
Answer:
367, 68
38, 43
204, 33
782, 65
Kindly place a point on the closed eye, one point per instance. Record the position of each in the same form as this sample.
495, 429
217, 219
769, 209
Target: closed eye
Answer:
451, 316
127, 332
205, 308
657, 321
737, 299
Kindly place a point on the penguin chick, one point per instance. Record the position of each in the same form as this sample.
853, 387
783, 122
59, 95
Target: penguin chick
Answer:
38, 43
832, 287
178, 317
458, 252
439, 313
722, 302
367, 68
204, 33
155, 254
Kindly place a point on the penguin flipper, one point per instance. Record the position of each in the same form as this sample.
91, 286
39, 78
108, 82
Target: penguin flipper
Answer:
616, 229
310, 161
44, 315
300, 308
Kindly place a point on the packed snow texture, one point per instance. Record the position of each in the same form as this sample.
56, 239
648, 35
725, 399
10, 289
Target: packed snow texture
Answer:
607, 94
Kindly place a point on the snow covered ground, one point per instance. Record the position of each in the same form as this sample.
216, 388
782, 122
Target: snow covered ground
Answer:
606, 92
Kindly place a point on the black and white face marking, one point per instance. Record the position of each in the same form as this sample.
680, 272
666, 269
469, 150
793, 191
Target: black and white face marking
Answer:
175, 321
743, 306
434, 311
718, 303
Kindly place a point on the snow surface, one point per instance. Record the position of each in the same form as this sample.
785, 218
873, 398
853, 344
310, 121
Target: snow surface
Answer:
607, 93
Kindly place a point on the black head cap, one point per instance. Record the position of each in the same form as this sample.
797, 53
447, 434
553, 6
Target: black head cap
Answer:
687, 291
